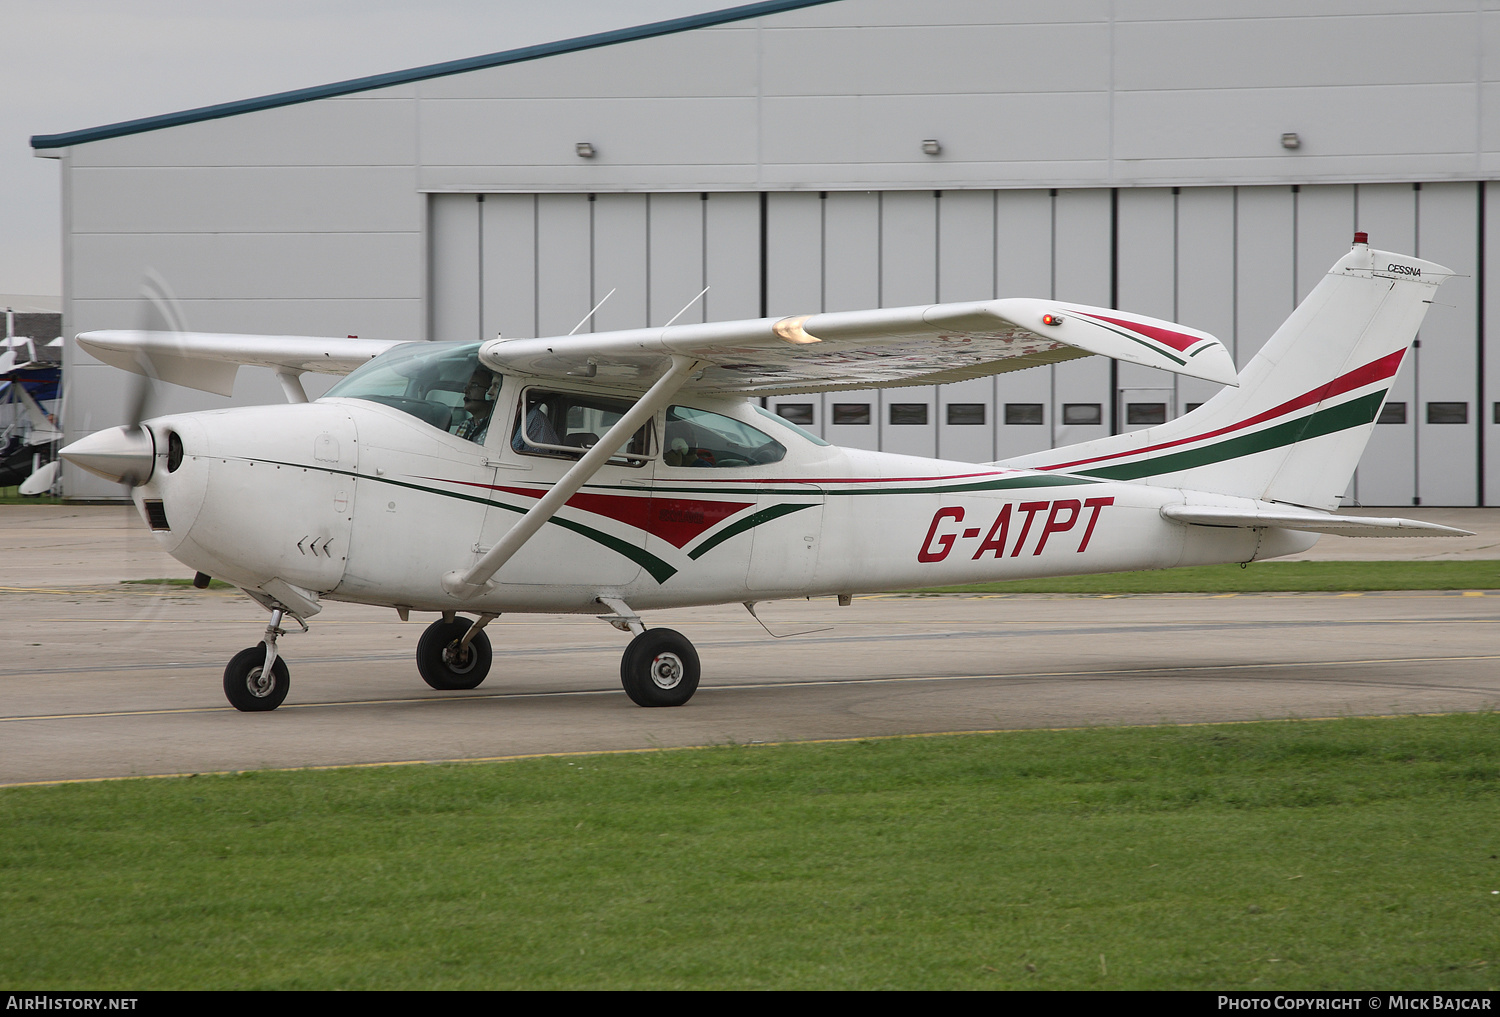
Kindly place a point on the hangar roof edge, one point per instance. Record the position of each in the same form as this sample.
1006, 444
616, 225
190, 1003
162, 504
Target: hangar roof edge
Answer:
438, 70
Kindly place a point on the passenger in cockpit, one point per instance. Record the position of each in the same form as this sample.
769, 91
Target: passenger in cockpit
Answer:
479, 401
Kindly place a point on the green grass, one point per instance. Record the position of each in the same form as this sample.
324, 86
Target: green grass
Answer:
213, 584
12, 496
1265, 577
1350, 853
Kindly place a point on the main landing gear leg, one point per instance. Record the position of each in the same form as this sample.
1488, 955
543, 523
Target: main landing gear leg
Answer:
660, 667
256, 679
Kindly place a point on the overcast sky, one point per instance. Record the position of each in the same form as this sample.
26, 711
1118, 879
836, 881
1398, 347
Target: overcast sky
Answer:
72, 64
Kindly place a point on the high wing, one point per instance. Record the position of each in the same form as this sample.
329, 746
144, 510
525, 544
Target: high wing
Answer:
209, 361
882, 348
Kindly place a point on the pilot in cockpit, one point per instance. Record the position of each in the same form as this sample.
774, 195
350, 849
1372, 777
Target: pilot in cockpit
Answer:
479, 401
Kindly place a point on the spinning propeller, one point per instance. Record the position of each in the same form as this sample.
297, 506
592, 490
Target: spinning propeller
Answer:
127, 454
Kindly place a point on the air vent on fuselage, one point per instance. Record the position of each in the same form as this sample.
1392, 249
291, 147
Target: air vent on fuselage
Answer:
156, 515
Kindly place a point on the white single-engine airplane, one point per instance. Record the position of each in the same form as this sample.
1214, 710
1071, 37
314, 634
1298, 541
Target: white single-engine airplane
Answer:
619, 472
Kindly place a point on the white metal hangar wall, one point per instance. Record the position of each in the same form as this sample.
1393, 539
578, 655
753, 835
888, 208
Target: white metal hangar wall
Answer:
1125, 152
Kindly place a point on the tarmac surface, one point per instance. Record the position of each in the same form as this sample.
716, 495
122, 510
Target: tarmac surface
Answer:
99, 679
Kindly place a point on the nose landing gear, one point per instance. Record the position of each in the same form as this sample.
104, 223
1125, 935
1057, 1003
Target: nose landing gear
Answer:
250, 686
256, 679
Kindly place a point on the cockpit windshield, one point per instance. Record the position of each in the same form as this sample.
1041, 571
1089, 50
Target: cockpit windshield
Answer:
441, 384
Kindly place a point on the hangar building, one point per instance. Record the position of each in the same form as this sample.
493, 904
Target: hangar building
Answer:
1195, 160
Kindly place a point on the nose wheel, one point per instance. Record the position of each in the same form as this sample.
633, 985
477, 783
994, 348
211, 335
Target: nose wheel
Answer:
250, 686
660, 668
256, 679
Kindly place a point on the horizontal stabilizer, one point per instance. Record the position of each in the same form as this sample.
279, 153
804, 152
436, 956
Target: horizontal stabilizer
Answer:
1312, 522
209, 361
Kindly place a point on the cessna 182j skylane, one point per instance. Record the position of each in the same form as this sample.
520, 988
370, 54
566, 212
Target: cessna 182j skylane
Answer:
618, 472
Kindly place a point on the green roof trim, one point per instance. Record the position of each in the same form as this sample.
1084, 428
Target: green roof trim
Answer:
511, 56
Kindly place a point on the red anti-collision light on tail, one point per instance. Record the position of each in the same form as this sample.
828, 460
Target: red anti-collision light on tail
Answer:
1051, 319
1362, 238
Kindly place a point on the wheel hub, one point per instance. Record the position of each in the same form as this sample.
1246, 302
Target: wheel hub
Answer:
458, 661
666, 670
259, 683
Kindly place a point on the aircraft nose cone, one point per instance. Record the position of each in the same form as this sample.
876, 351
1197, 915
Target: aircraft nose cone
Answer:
126, 455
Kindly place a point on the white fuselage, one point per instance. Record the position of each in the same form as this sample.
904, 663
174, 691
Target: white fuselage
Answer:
356, 501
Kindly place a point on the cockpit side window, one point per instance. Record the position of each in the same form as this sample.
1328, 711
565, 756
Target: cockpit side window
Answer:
441, 384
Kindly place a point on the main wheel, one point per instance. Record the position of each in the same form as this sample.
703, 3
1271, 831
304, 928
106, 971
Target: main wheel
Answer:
660, 668
443, 665
247, 686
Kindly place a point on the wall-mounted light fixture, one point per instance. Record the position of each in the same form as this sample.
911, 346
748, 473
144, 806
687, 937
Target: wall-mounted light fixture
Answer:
931, 146
584, 150
1290, 140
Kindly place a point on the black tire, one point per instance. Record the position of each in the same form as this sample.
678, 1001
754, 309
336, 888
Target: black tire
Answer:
440, 663
243, 686
660, 668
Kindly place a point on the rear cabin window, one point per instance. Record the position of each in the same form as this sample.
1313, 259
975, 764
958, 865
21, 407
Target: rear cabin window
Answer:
782, 420
797, 413
707, 440
564, 425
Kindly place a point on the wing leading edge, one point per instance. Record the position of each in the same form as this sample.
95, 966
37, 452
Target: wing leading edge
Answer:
881, 348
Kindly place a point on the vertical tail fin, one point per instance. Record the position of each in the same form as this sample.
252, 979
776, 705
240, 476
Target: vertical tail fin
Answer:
1295, 428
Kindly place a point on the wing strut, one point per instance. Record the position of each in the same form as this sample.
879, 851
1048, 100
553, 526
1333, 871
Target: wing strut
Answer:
465, 584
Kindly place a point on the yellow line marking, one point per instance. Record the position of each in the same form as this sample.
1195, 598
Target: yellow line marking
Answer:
695, 748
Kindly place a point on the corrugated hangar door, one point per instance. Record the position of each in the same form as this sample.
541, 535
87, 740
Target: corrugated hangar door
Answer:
535, 264
1232, 260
